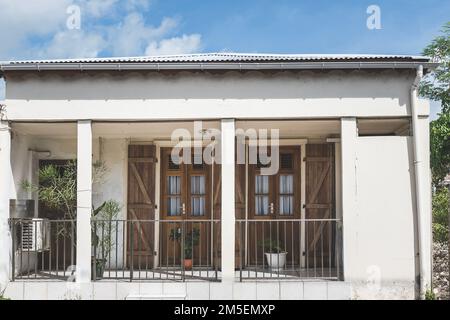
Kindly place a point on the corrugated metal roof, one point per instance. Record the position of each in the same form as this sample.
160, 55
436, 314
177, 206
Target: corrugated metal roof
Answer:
230, 57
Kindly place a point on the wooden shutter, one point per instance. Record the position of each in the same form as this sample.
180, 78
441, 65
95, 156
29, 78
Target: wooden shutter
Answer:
141, 205
319, 204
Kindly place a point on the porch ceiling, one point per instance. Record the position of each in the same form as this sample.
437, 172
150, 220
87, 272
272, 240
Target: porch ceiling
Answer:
149, 131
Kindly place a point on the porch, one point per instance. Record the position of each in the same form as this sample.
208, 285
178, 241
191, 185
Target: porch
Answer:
240, 214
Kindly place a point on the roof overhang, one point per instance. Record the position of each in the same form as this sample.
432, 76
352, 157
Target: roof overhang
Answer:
224, 61
90, 66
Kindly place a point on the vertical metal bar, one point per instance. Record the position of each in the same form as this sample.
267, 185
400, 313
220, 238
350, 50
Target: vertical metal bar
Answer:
35, 222
116, 244
132, 250
28, 256
57, 248
314, 237
278, 256
300, 253
200, 247
183, 230
94, 262
125, 245
145, 224
192, 247
339, 246
284, 243
109, 247
307, 224
64, 249
72, 237
330, 234
292, 247
263, 242
256, 251
13, 257
139, 243
21, 247
239, 223
321, 246
50, 252
163, 227
43, 256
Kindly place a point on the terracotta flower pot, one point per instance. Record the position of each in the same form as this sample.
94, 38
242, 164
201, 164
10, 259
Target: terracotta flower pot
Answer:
187, 264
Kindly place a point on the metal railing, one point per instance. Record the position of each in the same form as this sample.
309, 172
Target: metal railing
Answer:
43, 248
156, 249
289, 249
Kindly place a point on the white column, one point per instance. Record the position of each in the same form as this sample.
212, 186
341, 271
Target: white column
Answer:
349, 137
228, 201
5, 182
84, 201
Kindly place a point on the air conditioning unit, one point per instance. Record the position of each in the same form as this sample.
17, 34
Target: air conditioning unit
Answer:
35, 235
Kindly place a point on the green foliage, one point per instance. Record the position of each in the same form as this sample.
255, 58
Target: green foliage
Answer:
436, 86
57, 187
430, 295
191, 240
103, 229
2, 297
440, 215
440, 147
271, 245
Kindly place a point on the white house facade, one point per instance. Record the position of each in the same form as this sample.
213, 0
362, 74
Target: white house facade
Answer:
345, 215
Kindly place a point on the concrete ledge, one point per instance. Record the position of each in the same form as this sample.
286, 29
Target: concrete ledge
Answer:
119, 290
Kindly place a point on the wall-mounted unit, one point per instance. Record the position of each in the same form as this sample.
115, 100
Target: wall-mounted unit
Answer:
35, 235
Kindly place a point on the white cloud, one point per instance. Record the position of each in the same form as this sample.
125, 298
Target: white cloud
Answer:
73, 43
37, 29
22, 20
133, 35
97, 8
177, 45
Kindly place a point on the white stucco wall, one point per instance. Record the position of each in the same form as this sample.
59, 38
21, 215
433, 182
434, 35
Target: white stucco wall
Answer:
383, 261
201, 96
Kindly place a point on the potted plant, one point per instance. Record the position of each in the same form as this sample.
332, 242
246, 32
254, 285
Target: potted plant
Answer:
102, 235
275, 255
191, 240
57, 190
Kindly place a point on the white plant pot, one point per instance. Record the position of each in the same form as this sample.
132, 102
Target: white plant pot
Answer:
276, 261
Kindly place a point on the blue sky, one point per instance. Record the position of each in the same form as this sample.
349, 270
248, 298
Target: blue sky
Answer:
38, 28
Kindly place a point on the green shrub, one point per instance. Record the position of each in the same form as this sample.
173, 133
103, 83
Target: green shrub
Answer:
440, 215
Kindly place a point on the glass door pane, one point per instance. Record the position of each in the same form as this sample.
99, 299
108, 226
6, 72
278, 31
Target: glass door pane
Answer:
198, 195
174, 196
261, 195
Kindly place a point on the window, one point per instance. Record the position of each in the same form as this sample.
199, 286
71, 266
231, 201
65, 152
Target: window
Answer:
198, 195
174, 195
261, 195
286, 194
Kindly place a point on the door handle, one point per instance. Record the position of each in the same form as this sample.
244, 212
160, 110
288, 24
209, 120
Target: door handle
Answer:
183, 209
271, 208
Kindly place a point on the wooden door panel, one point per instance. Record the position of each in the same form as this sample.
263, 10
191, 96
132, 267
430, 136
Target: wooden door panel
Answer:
319, 204
141, 205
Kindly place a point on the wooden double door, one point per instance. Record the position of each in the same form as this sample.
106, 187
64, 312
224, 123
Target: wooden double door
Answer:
275, 219
185, 213
190, 196
274, 206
